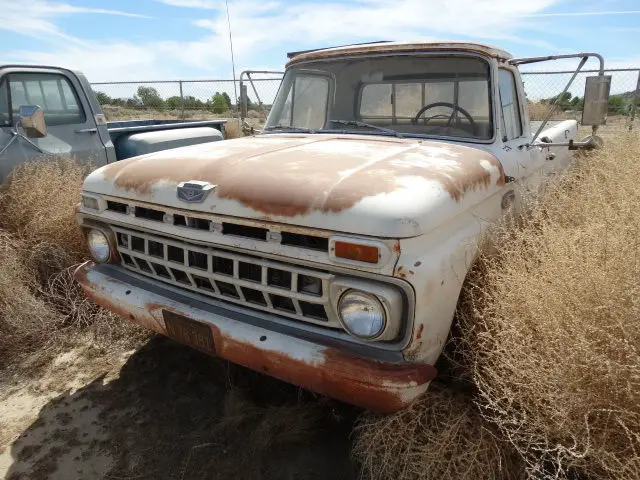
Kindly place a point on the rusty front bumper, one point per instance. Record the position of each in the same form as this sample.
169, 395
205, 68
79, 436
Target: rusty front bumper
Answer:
380, 385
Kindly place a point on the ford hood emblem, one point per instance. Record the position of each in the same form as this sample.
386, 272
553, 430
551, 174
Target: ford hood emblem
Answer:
194, 191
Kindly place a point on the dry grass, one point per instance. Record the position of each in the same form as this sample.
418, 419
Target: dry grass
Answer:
22, 313
540, 110
40, 306
439, 436
232, 130
547, 346
551, 324
37, 205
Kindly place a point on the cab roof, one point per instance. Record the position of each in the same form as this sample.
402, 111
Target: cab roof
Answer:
397, 47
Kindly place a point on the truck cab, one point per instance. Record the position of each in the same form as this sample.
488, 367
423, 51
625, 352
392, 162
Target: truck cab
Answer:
49, 110
330, 250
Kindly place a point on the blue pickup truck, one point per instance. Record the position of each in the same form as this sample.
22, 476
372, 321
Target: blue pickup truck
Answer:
51, 110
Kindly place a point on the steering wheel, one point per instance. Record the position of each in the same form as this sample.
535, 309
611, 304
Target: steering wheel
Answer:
452, 106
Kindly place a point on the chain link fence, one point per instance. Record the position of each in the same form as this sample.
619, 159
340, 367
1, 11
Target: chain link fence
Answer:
210, 99
186, 99
543, 87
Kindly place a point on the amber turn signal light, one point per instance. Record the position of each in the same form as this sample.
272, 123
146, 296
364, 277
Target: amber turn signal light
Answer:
359, 253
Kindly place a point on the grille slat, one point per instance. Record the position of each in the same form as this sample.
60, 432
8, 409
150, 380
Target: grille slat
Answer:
179, 218
253, 282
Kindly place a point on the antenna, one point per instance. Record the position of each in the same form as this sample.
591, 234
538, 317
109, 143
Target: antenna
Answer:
233, 63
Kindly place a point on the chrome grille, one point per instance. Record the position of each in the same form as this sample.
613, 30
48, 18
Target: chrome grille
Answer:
279, 288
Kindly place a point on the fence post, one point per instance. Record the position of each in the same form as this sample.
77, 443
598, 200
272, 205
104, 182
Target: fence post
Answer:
636, 100
181, 101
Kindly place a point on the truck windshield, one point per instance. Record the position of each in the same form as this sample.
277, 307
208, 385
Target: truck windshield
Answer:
404, 95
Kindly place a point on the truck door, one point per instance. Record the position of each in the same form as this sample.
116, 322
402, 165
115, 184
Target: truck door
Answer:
71, 128
517, 132
517, 160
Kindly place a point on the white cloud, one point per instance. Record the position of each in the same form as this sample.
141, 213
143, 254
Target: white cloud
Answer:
258, 26
205, 4
584, 14
271, 25
35, 18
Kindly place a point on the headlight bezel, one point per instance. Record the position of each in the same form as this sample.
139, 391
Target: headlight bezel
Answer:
96, 233
389, 295
374, 300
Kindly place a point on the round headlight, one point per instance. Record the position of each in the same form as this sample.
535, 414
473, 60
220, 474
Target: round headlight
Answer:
362, 314
98, 246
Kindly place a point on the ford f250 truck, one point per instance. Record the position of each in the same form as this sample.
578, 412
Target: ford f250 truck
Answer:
330, 250
52, 110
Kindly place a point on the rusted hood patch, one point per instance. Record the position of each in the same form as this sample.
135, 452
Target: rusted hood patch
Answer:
288, 176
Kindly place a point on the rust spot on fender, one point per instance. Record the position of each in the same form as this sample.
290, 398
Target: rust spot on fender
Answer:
279, 175
396, 246
419, 332
403, 272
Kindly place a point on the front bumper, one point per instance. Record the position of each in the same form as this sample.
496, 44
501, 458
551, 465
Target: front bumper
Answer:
382, 384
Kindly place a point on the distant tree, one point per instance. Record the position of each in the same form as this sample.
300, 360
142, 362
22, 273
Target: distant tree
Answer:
563, 101
617, 104
227, 99
250, 104
218, 103
173, 103
103, 98
193, 103
134, 102
149, 97
120, 102
577, 103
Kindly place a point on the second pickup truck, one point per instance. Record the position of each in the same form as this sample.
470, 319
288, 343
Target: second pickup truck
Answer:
53, 111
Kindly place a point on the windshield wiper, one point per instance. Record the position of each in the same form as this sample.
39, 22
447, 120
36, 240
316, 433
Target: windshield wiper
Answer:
289, 128
356, 123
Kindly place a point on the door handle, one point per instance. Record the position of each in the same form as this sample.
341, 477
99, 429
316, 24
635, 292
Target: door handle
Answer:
87, 130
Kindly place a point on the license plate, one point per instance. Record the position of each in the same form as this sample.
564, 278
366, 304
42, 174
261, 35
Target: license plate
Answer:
183, 329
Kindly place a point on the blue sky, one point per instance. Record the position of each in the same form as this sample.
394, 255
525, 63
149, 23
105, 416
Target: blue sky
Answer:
188, 39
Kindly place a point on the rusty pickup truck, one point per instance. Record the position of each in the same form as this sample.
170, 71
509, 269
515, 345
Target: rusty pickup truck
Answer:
330, 250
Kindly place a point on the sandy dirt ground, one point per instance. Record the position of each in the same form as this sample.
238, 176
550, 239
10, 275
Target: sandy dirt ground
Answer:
166, 411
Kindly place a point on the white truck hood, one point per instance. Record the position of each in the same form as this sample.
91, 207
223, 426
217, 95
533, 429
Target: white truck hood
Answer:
382, 187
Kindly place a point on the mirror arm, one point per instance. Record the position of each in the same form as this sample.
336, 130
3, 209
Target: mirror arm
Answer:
524, 61
555, 102
589, 143
15, 135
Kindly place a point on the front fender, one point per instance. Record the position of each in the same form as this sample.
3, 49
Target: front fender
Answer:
436, 265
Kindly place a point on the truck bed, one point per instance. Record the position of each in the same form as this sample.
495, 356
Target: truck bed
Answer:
138, 137
152, 125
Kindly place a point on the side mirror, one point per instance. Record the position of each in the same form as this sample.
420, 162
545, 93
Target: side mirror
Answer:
596, 100
243, 101
32, 121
